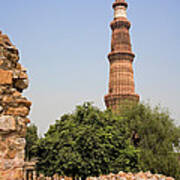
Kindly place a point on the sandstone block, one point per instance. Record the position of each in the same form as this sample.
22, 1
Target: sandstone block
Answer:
21, 84
20, 142
15, 174
7, 164
18, 66
16, 94
18, 174
24, 102
23, 75
11, 153
20, 111
1, 62
3, 147
7, 124
7, 99
5, 77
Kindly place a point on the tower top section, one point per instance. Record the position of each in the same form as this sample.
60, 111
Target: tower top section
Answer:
120, 3
120, 7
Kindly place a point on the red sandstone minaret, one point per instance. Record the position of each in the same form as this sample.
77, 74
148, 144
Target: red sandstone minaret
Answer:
121, 79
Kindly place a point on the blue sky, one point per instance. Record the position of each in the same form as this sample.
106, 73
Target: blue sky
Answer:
64, 44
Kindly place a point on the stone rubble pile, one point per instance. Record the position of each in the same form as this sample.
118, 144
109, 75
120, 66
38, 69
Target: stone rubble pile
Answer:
14, 109
55, 177
130, 176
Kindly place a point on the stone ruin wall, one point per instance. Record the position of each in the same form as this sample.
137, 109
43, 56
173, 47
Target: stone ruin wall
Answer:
131, 176
14, 109
120, 176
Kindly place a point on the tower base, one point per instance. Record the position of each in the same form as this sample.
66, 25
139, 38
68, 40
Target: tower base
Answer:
118, 103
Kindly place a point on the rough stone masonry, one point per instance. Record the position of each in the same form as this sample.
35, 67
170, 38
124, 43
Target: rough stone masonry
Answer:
129, 176
14, 109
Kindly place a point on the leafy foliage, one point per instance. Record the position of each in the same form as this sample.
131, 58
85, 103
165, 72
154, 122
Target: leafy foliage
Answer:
88, 142
156, 135
31, 142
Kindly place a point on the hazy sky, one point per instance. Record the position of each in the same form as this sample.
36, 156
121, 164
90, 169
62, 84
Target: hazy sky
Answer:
64, 44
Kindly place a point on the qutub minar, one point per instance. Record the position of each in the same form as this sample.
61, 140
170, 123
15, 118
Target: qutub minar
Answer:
121, 79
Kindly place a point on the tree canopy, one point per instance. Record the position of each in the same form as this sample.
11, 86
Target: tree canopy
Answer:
156, 135
88, 142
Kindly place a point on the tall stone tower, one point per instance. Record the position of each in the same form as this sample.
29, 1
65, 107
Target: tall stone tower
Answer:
121, 79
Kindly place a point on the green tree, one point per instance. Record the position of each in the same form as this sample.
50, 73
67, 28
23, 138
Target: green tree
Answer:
88, 142
156, 135
31, 142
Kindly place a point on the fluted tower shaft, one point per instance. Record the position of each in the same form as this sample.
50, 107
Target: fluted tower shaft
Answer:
121, 78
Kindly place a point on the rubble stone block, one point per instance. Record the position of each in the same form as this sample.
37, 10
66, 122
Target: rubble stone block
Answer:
5, 77
20, 111
7, 124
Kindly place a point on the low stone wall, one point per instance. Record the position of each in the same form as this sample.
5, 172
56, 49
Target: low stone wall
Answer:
120, 176
55, 177
130, 176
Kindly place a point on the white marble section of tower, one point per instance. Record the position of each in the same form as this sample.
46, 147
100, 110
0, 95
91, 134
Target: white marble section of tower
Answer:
120, 11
